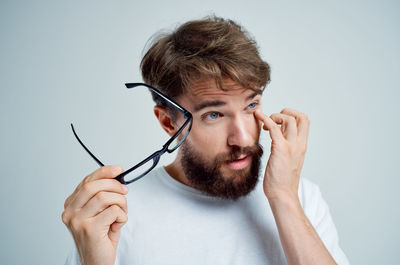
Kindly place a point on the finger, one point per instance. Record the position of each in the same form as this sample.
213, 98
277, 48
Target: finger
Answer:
289, 126
90, 189
111, 215
303, 123
104, 172
67, 201
102, 201
116, 227
270, 125
100, 173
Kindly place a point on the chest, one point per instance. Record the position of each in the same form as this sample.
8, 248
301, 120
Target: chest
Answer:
200, 233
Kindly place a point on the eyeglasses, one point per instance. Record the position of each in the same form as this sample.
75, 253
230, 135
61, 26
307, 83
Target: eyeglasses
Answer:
147, 164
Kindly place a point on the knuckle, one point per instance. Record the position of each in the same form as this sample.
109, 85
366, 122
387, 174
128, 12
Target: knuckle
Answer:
115, 209
86, 180
87, 188
101, 197
64, 217
74, 224
66, 202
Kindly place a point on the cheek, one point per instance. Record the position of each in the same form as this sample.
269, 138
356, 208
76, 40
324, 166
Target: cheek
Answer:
253, 126
258, 126
210, 140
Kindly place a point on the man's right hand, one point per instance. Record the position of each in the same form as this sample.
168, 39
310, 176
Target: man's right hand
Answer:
94, 214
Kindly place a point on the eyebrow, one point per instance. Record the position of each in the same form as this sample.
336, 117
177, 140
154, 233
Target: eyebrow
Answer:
253, 95
219, 103
206, 104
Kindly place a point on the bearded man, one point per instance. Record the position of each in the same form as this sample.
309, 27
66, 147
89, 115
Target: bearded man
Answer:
213, 204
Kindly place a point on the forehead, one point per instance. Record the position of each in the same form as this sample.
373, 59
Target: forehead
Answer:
207, 89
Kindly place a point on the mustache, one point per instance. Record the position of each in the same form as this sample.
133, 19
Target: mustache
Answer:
237, 151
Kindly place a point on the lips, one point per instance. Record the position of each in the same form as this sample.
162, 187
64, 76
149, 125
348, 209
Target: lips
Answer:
239, 163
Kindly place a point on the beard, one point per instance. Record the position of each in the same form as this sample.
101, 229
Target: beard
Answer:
206, 174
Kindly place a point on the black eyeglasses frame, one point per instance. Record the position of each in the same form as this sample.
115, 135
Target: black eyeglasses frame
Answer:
157, 154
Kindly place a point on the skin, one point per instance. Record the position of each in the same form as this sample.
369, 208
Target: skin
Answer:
96, 210
235, 124
94, 213
299, 239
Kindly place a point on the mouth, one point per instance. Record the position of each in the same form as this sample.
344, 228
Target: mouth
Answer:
239, 163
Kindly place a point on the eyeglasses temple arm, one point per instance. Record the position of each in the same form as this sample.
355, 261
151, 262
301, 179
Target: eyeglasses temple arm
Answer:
176, 105
87, 150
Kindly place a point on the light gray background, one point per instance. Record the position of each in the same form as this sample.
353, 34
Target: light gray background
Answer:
66, 61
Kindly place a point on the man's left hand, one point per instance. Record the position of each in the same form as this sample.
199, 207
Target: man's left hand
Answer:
289, 133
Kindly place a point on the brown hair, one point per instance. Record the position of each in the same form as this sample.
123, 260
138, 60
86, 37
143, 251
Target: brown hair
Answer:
202, 49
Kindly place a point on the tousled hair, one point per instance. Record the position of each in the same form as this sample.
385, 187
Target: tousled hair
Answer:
210, 48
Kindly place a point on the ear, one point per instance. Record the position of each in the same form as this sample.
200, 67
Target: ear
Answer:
165, 120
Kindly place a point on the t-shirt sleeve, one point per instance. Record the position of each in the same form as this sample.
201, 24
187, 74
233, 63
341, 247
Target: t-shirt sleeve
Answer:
317, 211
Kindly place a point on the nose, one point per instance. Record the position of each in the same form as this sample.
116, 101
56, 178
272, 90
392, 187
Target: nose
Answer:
242, 131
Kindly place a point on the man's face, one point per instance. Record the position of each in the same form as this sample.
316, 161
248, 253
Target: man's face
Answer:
221, 155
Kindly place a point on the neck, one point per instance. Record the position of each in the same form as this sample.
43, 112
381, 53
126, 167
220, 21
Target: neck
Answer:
175, 170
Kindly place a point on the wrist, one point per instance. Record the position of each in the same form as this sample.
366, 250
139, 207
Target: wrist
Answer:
283, 199
287, 209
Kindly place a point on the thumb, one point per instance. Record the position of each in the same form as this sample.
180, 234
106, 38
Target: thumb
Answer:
115, 231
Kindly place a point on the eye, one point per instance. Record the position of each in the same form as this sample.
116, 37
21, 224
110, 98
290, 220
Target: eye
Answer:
252, 105
211, 116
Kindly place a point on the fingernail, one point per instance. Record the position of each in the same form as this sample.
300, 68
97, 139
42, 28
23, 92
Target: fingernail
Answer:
125, 188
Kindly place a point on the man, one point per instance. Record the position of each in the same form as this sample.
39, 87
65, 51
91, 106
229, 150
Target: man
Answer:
208, 206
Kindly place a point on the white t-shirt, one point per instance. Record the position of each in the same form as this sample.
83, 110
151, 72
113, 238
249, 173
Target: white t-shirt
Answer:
171, 223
